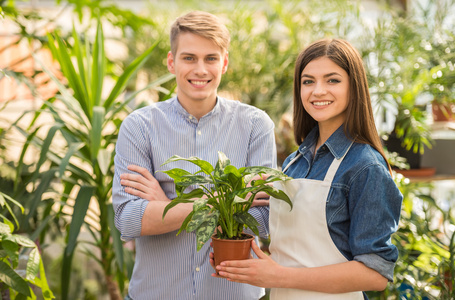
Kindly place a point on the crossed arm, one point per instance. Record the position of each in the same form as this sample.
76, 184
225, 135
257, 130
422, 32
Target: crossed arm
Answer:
145, 186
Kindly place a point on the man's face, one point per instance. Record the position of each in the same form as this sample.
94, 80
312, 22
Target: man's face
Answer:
198, 65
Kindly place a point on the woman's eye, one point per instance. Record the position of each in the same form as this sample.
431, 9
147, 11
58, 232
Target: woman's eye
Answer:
334, 80
307, 81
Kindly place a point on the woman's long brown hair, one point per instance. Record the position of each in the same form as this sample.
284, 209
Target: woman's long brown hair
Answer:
359, 123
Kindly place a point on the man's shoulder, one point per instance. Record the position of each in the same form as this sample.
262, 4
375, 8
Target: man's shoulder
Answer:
242, 109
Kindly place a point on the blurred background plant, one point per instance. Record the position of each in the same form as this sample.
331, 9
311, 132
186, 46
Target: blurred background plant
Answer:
56, 158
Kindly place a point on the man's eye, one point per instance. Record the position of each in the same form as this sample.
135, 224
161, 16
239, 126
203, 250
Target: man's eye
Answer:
187, 58
212, 58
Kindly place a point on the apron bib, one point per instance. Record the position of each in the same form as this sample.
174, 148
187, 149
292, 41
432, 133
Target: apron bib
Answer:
300, 237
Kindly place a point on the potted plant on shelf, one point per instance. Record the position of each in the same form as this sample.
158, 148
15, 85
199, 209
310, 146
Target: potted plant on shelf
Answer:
442, 87
221, 200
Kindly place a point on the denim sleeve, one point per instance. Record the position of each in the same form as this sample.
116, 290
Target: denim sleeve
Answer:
375, 206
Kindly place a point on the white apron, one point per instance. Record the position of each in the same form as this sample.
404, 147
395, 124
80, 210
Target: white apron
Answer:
300, 238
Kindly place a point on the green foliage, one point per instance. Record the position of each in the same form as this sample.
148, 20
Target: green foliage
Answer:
223, 196
16, 279
77, 147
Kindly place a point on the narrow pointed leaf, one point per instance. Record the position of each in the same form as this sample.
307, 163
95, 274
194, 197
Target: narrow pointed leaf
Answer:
247, 219
127, 73
115, 234
98, 67
96, 131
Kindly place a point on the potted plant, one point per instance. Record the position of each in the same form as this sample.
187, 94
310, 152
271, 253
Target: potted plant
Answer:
442, 87
221, 200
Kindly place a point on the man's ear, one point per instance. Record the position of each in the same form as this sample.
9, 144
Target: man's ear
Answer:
170, 62
225, 62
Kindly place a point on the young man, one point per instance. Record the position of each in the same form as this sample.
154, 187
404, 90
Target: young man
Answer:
195, 123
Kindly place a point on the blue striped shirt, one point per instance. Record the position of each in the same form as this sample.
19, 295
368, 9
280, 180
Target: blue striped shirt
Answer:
168, 266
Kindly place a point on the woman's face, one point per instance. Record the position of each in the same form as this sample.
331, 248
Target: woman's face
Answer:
325, 92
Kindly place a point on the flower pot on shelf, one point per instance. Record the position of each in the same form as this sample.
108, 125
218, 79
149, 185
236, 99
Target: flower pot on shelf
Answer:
224, 249
443, 112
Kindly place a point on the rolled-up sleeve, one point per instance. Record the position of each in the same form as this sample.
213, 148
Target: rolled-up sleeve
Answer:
375, 206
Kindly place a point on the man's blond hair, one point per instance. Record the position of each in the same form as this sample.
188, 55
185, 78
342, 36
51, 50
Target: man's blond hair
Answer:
203, 24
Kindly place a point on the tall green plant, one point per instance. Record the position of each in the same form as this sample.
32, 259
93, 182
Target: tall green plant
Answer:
14, 284
78, 145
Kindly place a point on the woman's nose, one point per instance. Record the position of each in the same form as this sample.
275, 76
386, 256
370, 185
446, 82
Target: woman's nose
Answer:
319, 90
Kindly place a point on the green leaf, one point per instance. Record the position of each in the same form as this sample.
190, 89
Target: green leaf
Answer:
82, 202
104, 160
12, 279
73, 147
175, 173
188, 180
196, 193
205, 166
22, 240
5, 229
237, 199
127, 73
186, 221
200, 203
243, 217
96, 130
115, 234
198, 218
98, 67
33, 262
206, 229
173, 203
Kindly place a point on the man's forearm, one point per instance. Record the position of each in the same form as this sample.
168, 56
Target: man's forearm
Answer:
153, 222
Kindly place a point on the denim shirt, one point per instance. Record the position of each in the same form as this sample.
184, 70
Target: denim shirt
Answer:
364, 204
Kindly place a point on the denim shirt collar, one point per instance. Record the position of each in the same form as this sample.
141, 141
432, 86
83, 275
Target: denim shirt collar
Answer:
338, 143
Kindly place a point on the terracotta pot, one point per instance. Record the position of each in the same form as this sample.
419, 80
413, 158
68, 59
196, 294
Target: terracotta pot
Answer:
443, 112
231, 249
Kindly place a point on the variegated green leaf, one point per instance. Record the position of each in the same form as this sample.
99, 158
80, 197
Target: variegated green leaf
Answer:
206, 230
200, 203
198, 218
185, 222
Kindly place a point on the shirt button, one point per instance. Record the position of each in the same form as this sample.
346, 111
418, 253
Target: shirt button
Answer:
199, 132
190, 117
198, 269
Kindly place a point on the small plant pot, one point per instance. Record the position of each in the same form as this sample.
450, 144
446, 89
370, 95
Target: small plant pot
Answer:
443, 112
231, 249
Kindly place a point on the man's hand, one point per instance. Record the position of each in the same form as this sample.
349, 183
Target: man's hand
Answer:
142, 185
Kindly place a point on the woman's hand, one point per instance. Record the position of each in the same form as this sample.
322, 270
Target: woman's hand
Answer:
142, 185
263, 272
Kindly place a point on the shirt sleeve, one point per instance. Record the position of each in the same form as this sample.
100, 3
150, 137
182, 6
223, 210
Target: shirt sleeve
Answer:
375, 206
131, 148
262, 147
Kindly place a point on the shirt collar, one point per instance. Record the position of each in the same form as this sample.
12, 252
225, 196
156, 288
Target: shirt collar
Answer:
338, 143
185, 113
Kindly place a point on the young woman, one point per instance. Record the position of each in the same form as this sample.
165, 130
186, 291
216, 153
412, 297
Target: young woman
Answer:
336, 242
